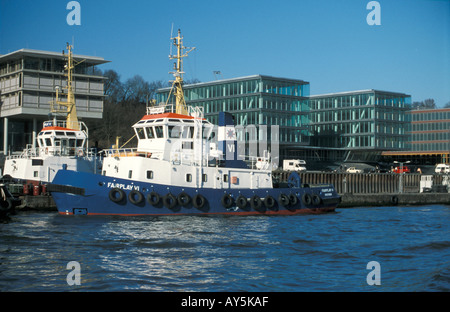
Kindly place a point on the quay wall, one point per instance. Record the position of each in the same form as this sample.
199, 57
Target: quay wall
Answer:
378, 189
364, 183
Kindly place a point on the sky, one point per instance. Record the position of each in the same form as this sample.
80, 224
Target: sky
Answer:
328, 43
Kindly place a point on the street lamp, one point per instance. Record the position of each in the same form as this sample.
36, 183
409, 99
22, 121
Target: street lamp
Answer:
400, 180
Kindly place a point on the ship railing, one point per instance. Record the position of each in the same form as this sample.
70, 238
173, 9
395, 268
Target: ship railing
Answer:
63, 124
195, 111
161, 109
120, 152
30, 152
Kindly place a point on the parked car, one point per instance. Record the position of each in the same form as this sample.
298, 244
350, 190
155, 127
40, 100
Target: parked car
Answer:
354, 170
400, 170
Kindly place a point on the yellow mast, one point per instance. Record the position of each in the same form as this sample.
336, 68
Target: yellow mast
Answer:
177, 85
71, 119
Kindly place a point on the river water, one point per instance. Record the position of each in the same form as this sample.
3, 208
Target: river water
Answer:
411, 246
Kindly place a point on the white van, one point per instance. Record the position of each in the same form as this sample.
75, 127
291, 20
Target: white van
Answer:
442, 168
294, 164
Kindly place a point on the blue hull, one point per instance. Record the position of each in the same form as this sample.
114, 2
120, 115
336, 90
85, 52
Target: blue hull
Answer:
93, 194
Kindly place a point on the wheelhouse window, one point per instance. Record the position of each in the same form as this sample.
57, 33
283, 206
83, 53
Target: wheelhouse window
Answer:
140, 133
150, 133
159, 130
188, 132
174, 132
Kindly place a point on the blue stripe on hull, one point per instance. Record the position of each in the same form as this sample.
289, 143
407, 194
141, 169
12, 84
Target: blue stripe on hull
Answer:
111, 196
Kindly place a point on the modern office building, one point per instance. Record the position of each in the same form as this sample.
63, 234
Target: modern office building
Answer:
28, 79
359, 125
255, 101
354, 125
429, 138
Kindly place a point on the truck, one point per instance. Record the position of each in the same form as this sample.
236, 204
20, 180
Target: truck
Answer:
294, 165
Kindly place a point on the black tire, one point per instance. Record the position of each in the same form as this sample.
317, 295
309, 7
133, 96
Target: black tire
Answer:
153, 198
170, 201
135, 197
293, 200
255, 202
307, 199
316, 200
269, 202
198, 201
241, 202
227, 201
116, 195
283, 199
394, 200
184, 199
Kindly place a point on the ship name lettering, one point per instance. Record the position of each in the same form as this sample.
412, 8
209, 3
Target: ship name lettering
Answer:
123, 186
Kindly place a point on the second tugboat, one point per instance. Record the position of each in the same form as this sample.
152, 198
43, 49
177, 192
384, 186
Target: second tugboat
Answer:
177, 169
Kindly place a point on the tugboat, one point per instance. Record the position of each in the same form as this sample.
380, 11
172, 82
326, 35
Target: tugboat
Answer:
177, 169
61, 143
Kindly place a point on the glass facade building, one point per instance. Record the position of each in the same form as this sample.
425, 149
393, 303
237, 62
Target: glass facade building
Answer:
319, 127
367, 119
255, 100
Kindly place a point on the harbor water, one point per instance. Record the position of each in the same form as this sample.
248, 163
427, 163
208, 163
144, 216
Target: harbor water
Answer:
331, 252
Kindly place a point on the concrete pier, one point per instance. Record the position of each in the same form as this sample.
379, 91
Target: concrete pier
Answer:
393, 199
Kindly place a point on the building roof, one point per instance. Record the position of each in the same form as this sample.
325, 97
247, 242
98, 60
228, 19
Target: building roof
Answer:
357, 92
237, 79
58, 55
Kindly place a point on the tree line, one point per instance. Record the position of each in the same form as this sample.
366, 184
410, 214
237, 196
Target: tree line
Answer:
427, 104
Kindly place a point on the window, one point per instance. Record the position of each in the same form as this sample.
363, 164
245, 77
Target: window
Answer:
188, 132
140, 133
225, 178
159, 131
174, 131
149, 174
188, 177
130, 174
204, 178
150, 133
48, 142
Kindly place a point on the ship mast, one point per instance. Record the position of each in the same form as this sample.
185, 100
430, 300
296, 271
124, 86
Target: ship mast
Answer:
69, 104
177, 85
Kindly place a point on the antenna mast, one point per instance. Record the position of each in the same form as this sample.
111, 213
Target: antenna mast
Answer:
177, 85
71, 119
